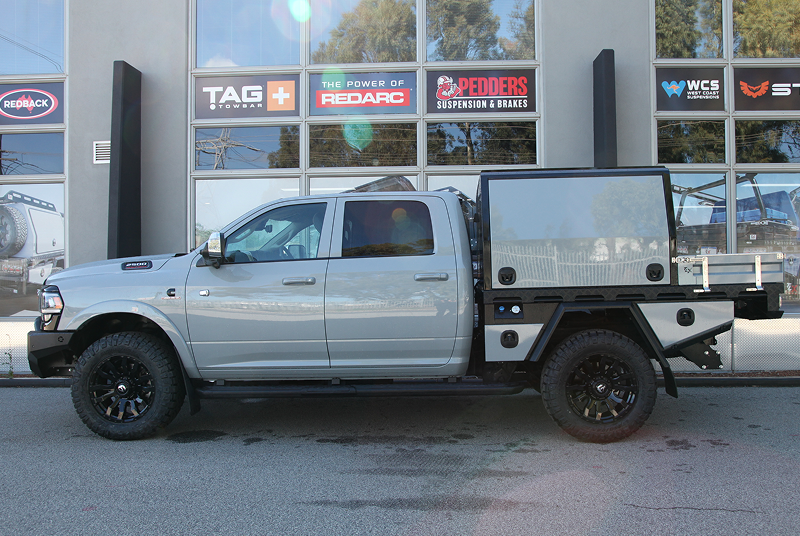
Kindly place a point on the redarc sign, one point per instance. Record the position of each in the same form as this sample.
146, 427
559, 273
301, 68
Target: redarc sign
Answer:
247, 96
31, 103
363, 93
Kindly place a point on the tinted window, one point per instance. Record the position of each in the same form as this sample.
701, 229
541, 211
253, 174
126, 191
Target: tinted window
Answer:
31, 36
247, 147
31, 154
386, 228
691, 142
363, 144
282, 234
475, 143
689, 29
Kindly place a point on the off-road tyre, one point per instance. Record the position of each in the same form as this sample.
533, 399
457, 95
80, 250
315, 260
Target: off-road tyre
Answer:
599, 386
13, 231
127, 386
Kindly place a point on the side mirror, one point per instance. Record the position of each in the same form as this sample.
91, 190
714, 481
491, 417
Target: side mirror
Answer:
212, 253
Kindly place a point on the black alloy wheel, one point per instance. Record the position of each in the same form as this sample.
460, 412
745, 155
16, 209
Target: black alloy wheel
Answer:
127, 385
599, 386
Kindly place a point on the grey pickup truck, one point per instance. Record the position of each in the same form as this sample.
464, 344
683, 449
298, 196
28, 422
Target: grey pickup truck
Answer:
563, 281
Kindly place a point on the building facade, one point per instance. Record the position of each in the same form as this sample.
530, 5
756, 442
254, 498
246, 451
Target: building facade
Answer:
246, 101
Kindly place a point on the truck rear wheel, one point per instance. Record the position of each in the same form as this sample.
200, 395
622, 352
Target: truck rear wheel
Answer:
13, 231
599, 386
127, 386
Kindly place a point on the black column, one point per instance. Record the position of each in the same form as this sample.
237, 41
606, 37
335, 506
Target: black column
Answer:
605, 111
125, 176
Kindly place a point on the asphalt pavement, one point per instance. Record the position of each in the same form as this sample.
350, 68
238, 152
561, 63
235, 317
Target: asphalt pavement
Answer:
714, 461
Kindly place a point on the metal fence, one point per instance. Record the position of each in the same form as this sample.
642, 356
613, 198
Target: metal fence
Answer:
752, 345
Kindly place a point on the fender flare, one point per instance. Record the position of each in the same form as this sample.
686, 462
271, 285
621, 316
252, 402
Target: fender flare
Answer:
185, 355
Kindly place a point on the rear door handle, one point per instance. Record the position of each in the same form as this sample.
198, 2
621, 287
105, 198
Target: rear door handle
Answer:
299, 280
441, 276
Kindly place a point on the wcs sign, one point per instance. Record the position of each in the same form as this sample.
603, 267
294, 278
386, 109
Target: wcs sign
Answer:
690, 89
31, 103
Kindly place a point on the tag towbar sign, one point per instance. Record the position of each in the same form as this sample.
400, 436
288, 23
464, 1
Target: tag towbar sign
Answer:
481, 91
247, 96
31, 103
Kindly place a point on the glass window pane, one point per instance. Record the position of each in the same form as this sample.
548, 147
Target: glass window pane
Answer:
248, 32
31, 154
31, 243
363, 145
478, 30
691, 142
689, 29
472, 143
247, 147
31, 36
335, 185
282, 234
767, 208
363, 31
775, 142
766, 29
219, 202
466, 184
699, 203
386, 228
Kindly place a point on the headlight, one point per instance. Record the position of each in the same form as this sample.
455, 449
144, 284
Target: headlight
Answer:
50, 305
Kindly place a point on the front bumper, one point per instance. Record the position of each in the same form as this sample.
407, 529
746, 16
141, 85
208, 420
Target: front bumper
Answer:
49, 353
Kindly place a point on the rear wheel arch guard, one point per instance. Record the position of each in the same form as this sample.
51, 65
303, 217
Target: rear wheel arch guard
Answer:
646, 338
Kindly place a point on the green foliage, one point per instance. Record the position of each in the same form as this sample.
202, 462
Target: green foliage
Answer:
481, 143
392, 145
375, 31
288, 155
691, 142
772, 142
766, 28
676, 29
463, 30
522, 23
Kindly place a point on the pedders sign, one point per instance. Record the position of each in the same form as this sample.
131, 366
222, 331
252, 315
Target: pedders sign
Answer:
31, 103
481, 91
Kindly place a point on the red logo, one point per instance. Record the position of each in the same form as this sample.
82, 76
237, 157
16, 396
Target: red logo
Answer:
27, 103
446, 89
754, 91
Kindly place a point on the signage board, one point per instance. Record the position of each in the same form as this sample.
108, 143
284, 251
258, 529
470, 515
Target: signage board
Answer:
766, 89
24, 104
690, 89
247, 96
363, 93
462, 92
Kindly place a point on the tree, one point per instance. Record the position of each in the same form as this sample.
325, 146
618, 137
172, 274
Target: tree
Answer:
773, 142
522, 23
463, 30
691, 142
766, 28
676, 29
375, 31
288, 155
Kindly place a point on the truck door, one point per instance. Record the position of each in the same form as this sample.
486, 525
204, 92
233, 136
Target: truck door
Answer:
263, 307
391, 291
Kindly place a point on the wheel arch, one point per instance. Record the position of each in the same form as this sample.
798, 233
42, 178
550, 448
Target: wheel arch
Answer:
118, 316
623, 318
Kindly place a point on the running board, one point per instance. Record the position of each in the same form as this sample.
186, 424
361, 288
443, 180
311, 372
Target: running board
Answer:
463, 388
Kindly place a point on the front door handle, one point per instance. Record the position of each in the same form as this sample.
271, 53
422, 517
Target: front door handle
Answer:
441, 276
299, 280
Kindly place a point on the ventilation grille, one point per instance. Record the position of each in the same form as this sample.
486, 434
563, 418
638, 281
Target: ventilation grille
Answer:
101, 151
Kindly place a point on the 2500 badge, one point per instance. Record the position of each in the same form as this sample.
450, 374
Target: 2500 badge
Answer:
27, 103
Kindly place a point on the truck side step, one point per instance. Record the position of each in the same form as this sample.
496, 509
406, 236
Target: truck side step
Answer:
417, 388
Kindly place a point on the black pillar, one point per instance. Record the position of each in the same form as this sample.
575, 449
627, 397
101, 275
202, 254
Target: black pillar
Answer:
125, 176
605, 111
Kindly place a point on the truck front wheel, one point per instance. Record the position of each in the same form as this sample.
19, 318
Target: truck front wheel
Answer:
127, 386
599, 386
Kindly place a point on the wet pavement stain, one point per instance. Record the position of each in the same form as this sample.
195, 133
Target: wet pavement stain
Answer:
679, 444
195, 436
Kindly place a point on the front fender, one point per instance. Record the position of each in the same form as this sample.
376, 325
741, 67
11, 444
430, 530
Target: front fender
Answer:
141, 309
